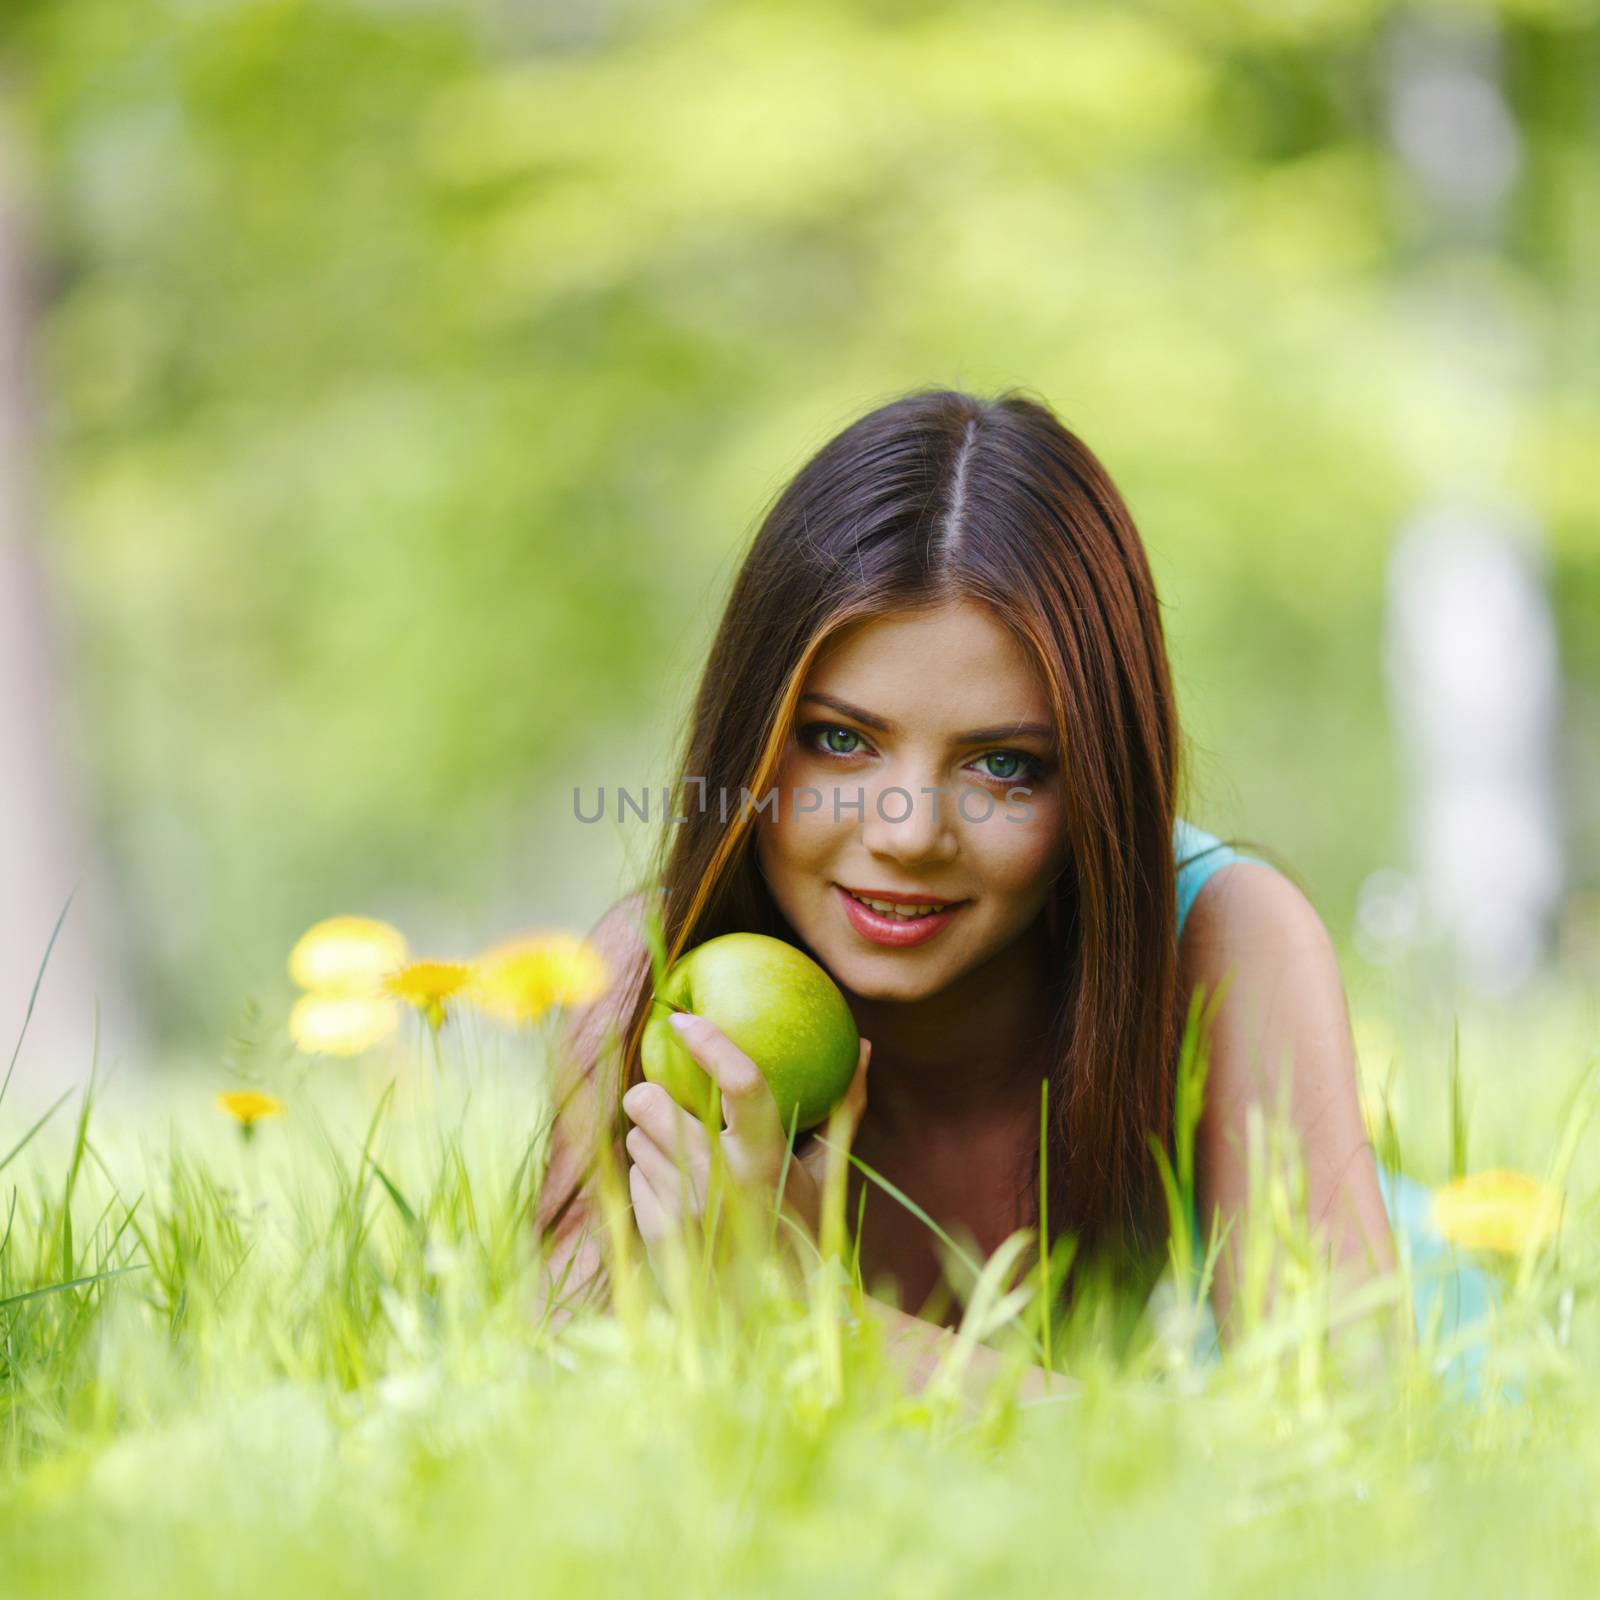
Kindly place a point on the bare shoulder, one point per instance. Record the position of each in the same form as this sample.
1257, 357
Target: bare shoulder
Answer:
1249, 912
619, 935
1254, 929
618, 938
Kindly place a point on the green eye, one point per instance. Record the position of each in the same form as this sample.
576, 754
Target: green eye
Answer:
830, 734
1014, 765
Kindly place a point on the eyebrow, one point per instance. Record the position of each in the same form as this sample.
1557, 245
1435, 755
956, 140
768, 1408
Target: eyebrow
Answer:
1008, 730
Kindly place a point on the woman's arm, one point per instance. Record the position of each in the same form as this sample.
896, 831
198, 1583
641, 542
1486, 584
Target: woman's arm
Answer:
1285, 1011
915, 1347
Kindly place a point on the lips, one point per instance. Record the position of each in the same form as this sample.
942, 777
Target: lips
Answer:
898, 932
895, 898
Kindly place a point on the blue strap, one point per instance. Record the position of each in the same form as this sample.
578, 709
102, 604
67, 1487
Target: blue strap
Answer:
1198, 854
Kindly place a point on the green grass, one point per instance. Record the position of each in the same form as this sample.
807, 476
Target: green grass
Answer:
314, 1362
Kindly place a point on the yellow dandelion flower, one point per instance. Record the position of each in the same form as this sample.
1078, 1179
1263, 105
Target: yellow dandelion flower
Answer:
341, 1024
247, 1107
1504, 1211
429, 986
520, 980
346, 955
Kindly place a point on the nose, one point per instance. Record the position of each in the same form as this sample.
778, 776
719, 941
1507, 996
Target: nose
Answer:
906, 825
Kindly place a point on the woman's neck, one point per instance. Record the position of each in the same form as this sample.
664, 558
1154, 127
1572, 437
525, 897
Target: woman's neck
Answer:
968, 1056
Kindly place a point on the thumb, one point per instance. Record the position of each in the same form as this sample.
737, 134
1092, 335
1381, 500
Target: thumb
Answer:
855, 1097
846, 1117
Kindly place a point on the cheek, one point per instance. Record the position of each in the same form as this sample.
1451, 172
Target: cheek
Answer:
798, 840
1019, 857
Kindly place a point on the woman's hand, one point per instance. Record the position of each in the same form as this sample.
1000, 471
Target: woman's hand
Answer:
671, 1149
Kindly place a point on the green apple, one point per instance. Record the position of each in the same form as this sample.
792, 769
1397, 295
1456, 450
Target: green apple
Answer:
777, 1005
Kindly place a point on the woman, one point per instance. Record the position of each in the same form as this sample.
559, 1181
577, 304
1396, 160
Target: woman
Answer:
947, 631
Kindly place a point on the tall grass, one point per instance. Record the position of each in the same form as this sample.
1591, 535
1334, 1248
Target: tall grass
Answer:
319, 1361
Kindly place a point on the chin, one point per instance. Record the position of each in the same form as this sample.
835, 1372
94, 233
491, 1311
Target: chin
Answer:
888, 979
890, 988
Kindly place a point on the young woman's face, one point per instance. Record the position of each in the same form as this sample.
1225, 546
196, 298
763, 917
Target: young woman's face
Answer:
929, 721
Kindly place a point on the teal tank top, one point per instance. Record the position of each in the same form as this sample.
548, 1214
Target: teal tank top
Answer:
1198, 854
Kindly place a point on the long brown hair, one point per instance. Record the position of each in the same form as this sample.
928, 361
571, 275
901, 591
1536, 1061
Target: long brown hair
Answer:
936, 496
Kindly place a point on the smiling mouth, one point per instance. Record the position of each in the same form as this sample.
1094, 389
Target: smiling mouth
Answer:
903, 911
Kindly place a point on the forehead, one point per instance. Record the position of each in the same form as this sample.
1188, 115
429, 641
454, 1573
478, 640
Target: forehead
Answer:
958, 662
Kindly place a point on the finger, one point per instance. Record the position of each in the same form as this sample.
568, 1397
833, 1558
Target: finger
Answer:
748, 1108
681, 1181
647, 1211
676, 1132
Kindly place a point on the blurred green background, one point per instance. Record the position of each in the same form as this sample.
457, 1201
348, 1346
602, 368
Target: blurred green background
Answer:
412, 376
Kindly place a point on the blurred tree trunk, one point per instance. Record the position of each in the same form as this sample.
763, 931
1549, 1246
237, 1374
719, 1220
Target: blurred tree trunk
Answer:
1473, 663
43, 854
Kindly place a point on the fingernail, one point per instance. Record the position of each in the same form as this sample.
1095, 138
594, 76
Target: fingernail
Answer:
681, 1020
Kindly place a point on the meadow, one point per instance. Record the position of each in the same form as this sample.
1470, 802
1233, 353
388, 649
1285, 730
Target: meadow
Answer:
402, 384
280, 1329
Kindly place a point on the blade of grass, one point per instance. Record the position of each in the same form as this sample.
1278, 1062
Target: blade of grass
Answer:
783, 1177
988, 1310
911, 1205
400, 1203
34, 997
1458, 1109
22, 1143
75, 1283
954, 1250
79, 1140
653, 931
1046, 1329
11, 1217
1580, 1111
